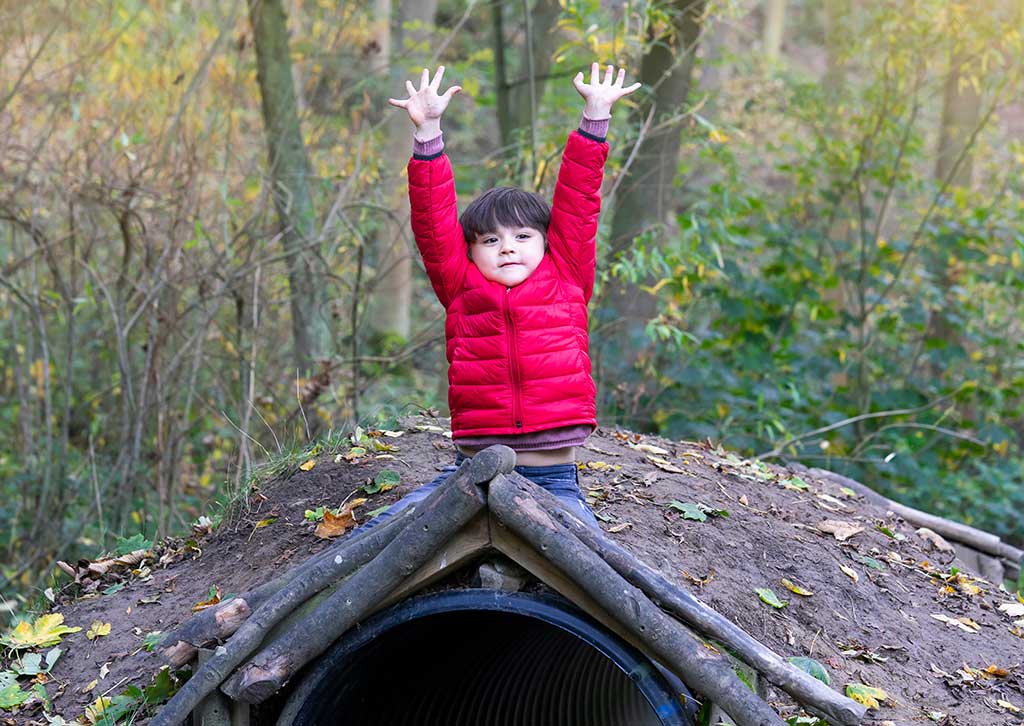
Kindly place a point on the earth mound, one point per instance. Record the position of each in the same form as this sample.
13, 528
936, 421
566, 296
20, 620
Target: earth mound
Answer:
853, 586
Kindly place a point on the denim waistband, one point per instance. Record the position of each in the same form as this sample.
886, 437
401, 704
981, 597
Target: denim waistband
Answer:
530, 470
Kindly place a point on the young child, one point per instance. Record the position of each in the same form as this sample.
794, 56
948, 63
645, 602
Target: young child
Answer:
515, 277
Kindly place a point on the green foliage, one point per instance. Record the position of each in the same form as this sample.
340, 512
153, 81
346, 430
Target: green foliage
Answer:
819, 273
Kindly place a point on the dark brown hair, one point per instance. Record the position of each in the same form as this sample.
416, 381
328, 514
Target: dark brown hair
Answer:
505, 207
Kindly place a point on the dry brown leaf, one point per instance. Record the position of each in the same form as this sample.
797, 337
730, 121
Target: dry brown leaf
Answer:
207, 603
839, 529
335, 525
619, 527
665, 465
700, 581
850, 572
994, 670
650, 449
934, 539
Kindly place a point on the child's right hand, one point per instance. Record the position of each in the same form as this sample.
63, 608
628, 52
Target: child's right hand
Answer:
424, 106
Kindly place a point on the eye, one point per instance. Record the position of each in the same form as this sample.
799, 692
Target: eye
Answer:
524, 235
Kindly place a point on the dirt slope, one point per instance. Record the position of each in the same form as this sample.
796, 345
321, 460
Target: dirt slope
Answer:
871, 619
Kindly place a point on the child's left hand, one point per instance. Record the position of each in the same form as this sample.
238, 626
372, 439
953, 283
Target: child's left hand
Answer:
601, 95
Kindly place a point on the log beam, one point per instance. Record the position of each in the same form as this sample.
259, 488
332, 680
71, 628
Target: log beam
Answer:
515, 506
807, 690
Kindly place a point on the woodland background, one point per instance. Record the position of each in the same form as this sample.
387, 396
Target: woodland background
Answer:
812, 243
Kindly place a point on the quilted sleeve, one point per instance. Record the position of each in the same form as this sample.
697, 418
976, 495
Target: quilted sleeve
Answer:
575, 209
435, 224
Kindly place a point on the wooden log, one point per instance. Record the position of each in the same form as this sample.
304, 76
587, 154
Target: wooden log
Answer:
440, 519
977, 539
248, 637
514, 505
217, 623
807, 690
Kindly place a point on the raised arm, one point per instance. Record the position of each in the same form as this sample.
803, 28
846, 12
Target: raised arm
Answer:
577, 201
433, 205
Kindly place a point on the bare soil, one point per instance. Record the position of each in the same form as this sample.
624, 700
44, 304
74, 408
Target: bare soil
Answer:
873, 623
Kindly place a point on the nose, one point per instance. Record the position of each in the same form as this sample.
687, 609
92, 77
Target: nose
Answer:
506, 245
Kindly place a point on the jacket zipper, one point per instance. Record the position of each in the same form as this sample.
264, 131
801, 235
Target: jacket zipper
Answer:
513, 360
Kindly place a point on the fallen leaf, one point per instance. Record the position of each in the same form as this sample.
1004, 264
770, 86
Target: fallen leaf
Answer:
335, 525
700, 581
994, 670
650, 449
743, 500
812, 667
44, 631
386, 479
307, 465
97, 710
965, 624
796, 588
1008, 706
620, 527
1013, 609
689, 510
212, 598
794, 482
665, 465
97, 630
104, 670
265, 523
866, 695
842, 531
850, 572
934, 539
769, 597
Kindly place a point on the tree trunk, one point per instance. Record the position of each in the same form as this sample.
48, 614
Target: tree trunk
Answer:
388, 312
646, 198
961, 108
774, 27
519, 99
835, 12
289, 175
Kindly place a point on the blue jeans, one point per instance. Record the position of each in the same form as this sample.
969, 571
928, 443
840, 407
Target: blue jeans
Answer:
562, 480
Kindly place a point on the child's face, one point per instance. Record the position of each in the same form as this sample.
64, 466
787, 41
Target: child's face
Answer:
508, 255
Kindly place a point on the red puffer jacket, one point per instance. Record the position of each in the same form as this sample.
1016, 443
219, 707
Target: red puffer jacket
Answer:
518, 356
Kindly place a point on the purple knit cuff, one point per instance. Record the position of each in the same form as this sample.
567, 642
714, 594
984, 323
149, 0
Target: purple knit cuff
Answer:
428, 147
595, 126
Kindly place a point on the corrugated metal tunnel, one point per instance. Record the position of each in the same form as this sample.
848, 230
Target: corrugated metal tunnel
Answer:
484, 658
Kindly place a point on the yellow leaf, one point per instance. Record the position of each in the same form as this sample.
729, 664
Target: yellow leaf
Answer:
45, 631
866, 695
306, 466
796, 588
850, 572
1008, 706
265, 522
98, 709
994, 670
717, 137
97, 630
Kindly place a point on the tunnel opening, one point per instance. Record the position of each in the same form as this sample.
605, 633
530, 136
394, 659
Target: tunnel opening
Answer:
484, 657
